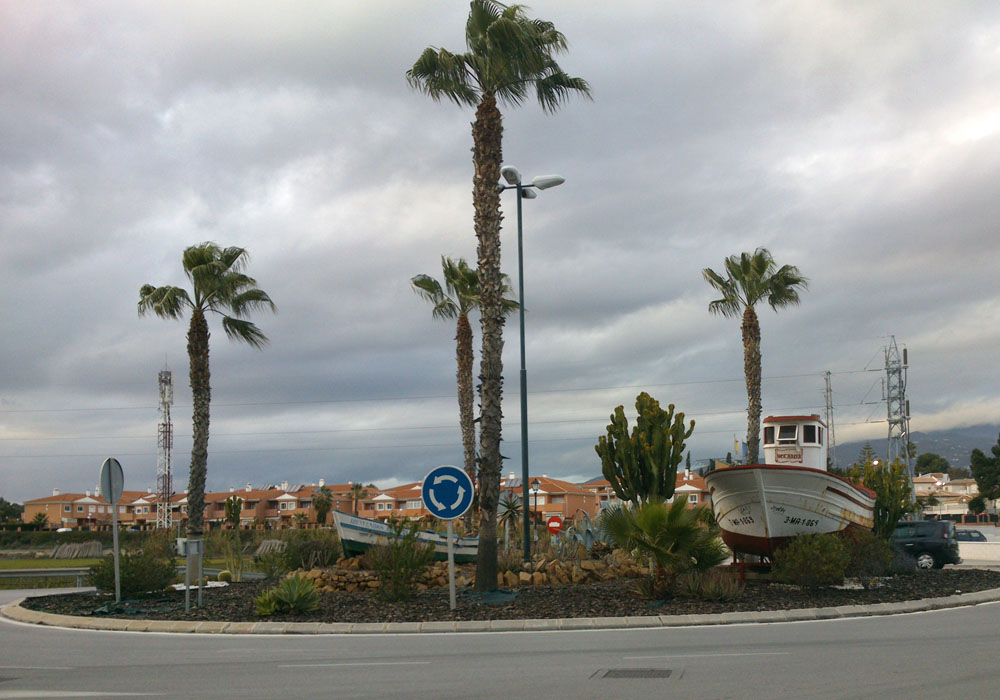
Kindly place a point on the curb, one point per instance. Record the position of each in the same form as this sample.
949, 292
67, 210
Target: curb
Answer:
14, 611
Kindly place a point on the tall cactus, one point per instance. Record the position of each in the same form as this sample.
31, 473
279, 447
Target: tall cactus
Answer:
642, 466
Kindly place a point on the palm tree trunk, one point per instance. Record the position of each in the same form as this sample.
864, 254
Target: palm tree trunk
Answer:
487, 154
751, 368
463, 336
201, 397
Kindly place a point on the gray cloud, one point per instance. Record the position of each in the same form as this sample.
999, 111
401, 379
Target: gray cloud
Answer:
859, 142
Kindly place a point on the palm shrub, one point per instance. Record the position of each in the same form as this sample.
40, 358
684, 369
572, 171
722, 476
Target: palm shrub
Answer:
141, 571
400, 561
294, 595
676, 539
812, 561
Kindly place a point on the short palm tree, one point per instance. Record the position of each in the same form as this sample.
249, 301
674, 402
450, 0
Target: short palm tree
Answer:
358, 493
456, 299
677, 539
508, 54
218, 286
322, 503
750, 279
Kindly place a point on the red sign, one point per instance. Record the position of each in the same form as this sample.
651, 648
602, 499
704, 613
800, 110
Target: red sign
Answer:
554, 524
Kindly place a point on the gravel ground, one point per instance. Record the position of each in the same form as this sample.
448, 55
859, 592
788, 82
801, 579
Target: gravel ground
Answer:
235, 603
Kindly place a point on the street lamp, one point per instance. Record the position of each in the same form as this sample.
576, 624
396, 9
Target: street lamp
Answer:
524, 191
535, 483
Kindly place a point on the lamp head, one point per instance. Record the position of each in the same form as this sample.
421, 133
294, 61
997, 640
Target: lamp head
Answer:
544, 182
528, 194
511, 175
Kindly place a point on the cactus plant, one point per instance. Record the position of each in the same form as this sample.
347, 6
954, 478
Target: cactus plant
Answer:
642, 466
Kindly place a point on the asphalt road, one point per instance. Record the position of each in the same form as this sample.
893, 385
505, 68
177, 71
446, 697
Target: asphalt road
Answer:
905, 656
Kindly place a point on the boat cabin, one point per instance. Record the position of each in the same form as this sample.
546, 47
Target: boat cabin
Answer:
795, 440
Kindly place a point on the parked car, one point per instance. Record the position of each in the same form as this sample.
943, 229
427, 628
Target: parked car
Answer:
963, 535
931, 543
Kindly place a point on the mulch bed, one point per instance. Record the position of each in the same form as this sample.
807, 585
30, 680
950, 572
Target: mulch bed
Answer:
235, 603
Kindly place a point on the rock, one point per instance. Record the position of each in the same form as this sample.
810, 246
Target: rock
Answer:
314, 574
510, 579
588, 565
539, 578
524, 578
577, 575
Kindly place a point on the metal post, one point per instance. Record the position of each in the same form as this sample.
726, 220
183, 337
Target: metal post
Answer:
524, 378
451, 565
114, 536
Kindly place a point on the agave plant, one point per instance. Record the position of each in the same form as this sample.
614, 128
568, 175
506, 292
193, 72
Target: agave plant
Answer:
675, 538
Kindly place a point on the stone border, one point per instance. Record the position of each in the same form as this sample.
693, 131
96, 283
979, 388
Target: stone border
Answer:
14, 611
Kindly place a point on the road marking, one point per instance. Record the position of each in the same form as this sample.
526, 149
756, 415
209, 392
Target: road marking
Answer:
359, 663
16, 694
693, 656
37, 668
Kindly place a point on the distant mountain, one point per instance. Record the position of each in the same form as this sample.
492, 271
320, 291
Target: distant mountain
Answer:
955, 444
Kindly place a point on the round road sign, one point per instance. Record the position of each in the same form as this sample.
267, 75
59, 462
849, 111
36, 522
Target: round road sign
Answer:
554, 524
447, 492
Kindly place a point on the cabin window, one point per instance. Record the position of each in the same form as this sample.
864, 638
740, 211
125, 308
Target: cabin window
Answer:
769, 435
809, 433
786, 434
819, 436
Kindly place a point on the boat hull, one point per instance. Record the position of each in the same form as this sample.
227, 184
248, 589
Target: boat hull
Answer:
760, 507
357, 535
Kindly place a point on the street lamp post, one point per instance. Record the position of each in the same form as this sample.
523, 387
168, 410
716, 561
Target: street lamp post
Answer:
524, 191
535, 484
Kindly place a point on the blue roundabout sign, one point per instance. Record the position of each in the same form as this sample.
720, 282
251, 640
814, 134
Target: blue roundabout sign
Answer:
447, 492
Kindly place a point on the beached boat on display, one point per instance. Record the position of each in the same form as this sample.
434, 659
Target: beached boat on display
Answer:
759, 507
358, 534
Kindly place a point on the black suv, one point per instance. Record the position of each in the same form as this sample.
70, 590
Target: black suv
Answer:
931, 542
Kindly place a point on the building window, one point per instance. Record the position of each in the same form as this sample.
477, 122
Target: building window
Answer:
283, 506
693, 498
90, 509
557, 499
67, 509
121, 509
413, 505
184, 509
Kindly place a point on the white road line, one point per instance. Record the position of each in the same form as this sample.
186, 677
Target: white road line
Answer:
359, 663
693, 656
36, 668
39, 694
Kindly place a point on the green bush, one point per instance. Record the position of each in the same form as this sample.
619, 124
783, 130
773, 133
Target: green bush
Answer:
713, 585
140, 571
870, 556
812, 561
295, 595
400, 562
226, 575
311, 549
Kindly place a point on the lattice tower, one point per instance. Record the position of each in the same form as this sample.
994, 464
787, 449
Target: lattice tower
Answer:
165, 447
830, 434
898, 409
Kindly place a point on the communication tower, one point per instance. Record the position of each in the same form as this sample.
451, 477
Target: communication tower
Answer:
165, 447
898, 408
831, 438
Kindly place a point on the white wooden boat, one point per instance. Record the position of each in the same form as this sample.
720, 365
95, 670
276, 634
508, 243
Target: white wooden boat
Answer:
759, 507
358, 534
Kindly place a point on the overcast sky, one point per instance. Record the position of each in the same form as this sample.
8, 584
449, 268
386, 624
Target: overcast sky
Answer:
859, 141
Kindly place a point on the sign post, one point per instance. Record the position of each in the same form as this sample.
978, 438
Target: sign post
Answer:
112, 484
447, 492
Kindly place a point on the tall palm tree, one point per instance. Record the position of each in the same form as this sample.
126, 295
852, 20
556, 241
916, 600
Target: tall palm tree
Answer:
456, 299
508, 54
218, 286
750, 279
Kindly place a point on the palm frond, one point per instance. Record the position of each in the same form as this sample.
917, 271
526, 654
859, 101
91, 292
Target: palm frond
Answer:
252, 299
441, 74
430, 289
165, 302
244, 331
